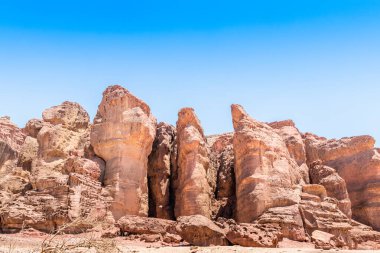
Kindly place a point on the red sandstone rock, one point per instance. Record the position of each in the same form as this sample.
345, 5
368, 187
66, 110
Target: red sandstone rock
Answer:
60, 190
193, 192
253, 235
358, 163
295, 144
335, 185
159, 171
68, 114
200, 231
122, 134
266, 175
11, 140
222, 158
288, 218
132, 224
32, 127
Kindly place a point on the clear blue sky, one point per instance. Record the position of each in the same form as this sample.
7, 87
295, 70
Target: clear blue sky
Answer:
317, 62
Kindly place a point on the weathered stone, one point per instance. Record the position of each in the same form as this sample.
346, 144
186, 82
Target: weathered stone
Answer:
295, 144
193, 193
28, 153
61, 188
266, 176
200, 231
32, 127
288, 218
253, 235
222, 159
358, 163
315, 189
132, 224
11, 140
159, 171
68, 114
335, 185
123, 134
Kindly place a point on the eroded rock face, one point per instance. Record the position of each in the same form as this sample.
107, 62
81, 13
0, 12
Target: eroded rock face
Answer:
358, 163
32, 127
159, 172
335, 185
55, 186
123, 134
68, 114
222, 158
193, 193
295, 144
11, 140
266, 176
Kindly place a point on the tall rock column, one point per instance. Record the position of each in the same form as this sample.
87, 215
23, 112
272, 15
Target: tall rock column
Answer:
159, 172
266, 175
123, 134
193, 192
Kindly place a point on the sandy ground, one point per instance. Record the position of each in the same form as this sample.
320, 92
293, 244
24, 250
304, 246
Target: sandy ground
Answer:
33, 243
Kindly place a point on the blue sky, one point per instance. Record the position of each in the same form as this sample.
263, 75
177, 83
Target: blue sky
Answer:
316, 62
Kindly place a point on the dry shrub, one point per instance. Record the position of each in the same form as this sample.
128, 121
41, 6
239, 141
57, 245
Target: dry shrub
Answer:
89, 242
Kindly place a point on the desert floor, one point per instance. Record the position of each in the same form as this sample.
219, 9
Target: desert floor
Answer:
33, 243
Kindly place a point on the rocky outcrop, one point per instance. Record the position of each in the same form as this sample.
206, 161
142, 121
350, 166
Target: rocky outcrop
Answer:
33, 127
59, 187
358, 163
222, 158
69, 115
11, 140
193, 193
63, 174
295, 144
123, 134
266, 176
159, 172
335, 185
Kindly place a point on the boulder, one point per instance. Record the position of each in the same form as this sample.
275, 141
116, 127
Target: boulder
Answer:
132, 224
288, 218
253, 235
200, 231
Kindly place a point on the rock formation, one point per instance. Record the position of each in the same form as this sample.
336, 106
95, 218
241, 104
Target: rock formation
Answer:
266, 176
159, 172
334, 184
123, 134
358, 163
52, 184
222, 159
264, 185
193, 193
295, 144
